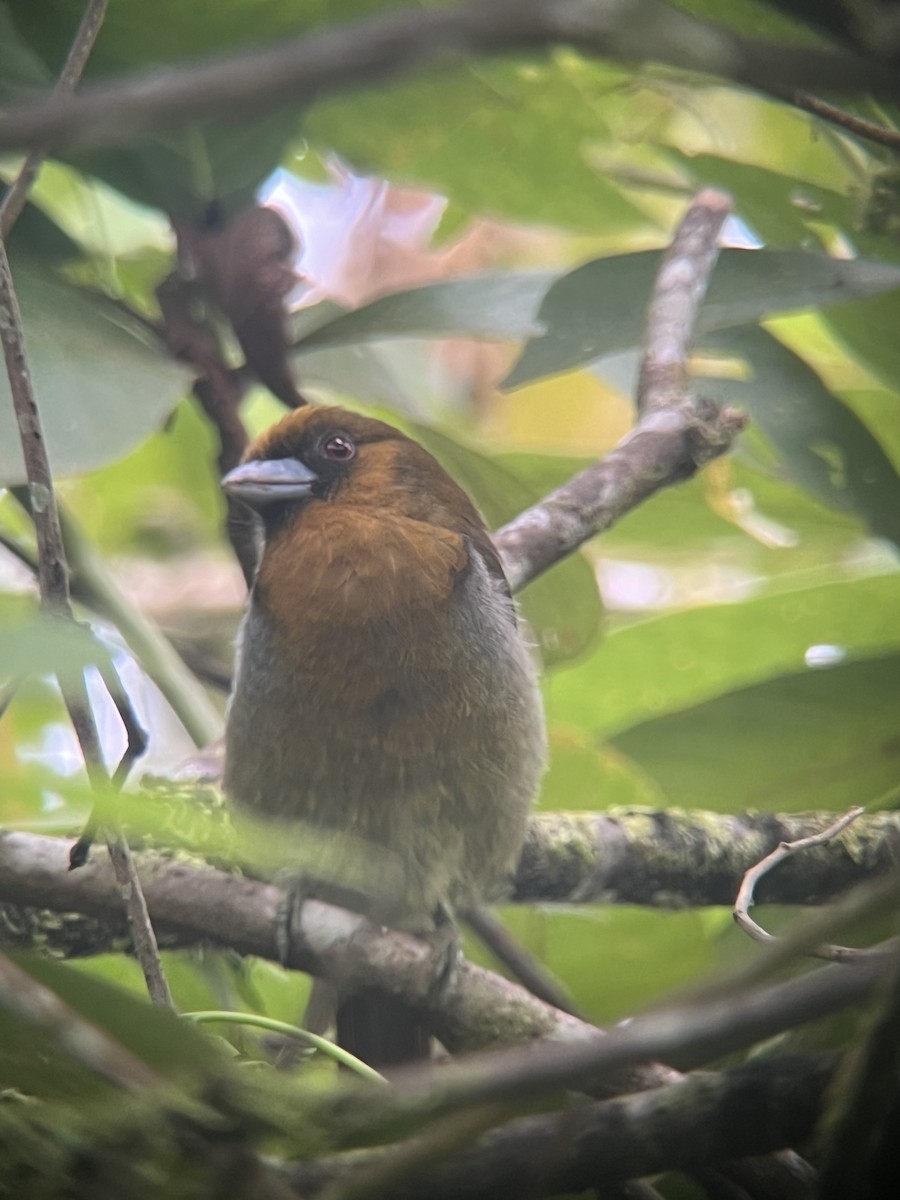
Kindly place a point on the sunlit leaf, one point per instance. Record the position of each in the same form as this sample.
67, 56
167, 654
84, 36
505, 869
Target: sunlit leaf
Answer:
672, 662
600, 308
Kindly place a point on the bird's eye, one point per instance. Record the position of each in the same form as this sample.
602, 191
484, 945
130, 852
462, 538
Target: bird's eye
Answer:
339, 448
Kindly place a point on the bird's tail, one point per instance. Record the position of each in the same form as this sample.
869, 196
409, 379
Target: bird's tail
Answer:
382, 1031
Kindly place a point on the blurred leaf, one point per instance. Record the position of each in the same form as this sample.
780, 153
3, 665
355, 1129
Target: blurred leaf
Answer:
29, 1063
674, 661
583, 777
40, 237
510, 139
185, 170
102, 384
824, 446
641, 954
819, 740
868, 329
600, 307
20, 66
33, 643
497, 306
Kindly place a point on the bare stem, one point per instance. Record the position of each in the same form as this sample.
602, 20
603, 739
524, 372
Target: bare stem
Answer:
745, 897
53, 572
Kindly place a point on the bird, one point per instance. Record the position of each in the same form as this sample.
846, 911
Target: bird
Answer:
386, 700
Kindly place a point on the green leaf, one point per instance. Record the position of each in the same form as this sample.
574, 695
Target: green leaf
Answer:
672, 662
512, 139
20, 67
820, 740
780, 208
497, 306
824, 445
102, 383
646, 953
38, 1068
868, 330
32, 643
600, 308
562, 607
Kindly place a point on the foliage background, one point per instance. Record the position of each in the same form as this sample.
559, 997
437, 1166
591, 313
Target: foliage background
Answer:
732, 645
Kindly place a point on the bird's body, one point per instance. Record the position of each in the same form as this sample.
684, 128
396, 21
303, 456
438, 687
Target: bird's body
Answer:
384, 690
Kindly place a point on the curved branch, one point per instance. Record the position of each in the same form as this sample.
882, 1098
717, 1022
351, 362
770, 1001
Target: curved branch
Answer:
677, 432
396, 43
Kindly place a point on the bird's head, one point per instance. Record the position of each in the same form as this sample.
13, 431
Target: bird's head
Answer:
329, 456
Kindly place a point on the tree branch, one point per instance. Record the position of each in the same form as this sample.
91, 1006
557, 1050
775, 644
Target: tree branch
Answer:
677, 431
669, 858
747, 1110
202, 904
53, 572
678, 858
381, 47
746, 899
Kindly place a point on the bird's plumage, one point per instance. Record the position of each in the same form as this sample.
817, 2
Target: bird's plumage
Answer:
384, 691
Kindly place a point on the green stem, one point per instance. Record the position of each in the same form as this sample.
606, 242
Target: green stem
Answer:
303, 1035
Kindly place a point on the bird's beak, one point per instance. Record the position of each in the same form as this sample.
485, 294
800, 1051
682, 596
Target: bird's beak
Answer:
261, 482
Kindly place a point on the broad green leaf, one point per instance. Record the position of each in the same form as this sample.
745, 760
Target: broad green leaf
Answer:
644, 953
672, 662
510, 139
600, 308
868, 329
824, 446
582, 776
822, 739
495, 306
102, 383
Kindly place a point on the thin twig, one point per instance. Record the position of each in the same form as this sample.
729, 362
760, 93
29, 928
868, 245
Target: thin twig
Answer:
95, 587
53, 573
396, 43
845, 120
7, 695
16, 198
84, 1041
745, 897
490, 930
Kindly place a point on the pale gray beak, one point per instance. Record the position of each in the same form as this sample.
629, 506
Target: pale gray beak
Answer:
261, 482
